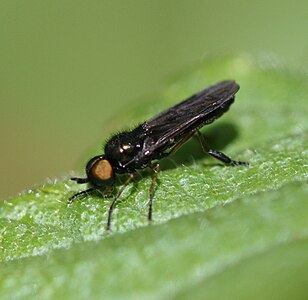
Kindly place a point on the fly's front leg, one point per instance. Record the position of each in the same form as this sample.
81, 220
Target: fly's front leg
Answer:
218, 155
70, 199
156, 169
128, 180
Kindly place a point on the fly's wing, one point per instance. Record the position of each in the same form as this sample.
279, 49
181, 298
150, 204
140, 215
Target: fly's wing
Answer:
189, 115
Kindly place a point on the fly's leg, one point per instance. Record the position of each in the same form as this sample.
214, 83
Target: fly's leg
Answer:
108, 191
128, 180
218, 155
156, 169
70, 199
179, 144
80, 180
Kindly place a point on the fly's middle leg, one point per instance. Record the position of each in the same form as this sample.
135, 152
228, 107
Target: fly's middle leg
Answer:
156, 169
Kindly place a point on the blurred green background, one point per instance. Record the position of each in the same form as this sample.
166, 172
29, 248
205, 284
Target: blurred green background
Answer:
68, 66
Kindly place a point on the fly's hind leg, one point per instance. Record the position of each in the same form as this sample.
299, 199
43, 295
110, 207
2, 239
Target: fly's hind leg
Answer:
218, 155
177, 146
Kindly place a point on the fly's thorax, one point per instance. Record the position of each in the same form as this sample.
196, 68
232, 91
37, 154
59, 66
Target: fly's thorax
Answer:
123, 150
100, 172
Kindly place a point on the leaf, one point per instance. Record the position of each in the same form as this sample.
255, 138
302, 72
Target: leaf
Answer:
242, 229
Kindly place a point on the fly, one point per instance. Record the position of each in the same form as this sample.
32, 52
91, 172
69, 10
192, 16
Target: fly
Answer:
157, 138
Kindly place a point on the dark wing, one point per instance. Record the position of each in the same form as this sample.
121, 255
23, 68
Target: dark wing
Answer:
189, 115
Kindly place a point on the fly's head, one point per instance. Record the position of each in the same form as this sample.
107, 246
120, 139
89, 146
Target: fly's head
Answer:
100, 171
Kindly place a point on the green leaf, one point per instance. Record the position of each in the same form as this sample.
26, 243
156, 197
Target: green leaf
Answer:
218, 232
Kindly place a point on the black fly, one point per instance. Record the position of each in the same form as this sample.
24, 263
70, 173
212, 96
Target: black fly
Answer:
157, 138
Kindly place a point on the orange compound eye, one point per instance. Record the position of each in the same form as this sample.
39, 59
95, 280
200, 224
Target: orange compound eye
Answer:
102, 170
99, 172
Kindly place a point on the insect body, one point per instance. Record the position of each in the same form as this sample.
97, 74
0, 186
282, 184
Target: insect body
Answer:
157, 138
